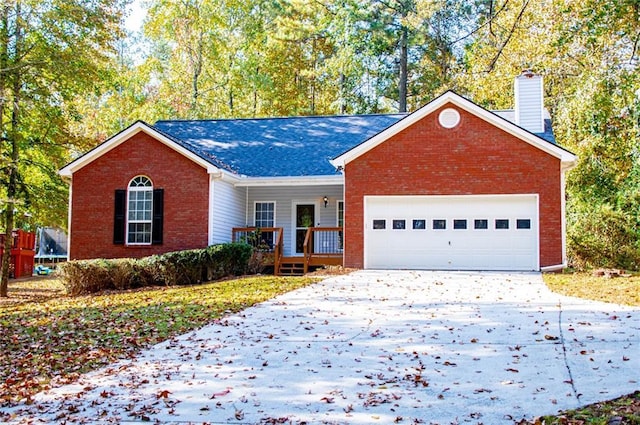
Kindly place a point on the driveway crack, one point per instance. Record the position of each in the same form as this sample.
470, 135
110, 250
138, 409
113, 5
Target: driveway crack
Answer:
564, 353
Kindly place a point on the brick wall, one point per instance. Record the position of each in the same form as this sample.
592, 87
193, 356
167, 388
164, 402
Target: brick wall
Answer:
473, 158
186, 188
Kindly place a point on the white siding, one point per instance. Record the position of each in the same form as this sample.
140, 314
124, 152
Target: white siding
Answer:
529, 110
284, 197
227, 210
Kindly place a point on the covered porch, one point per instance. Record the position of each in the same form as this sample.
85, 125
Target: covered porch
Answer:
321, 246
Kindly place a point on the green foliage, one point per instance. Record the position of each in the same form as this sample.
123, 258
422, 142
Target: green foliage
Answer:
173, 268
588, 54
601, 123
227, 259
41, 73
601, 235
178, 268
50, 52
219, 58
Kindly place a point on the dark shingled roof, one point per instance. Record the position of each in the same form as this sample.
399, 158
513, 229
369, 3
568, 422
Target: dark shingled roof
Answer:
277, 147
283, 147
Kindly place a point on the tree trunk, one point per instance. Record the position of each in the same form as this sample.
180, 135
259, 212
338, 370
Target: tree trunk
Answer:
4, 45
343, 91
255, 92
196, 63
403, 75
12, 183
313, 78
8, 243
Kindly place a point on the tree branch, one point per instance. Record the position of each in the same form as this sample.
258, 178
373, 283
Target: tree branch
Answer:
489, 22
506, 41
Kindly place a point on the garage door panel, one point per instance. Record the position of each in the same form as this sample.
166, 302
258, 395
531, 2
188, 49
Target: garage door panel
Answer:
494, 232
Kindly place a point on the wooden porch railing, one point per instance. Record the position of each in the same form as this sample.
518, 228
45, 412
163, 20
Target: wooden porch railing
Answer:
323, 246
266, 240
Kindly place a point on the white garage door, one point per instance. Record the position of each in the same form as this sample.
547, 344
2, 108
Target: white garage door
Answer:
452, 232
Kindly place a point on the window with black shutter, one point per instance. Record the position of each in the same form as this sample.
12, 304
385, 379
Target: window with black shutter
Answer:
139, 214
158, 216
119, 216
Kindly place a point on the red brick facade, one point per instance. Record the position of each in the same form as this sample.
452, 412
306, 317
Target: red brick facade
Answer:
473, 158
186, 189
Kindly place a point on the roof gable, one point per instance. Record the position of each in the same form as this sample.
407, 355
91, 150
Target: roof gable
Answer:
567, 158
128, 133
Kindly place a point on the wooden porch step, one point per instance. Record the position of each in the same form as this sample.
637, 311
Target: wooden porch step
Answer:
291, 266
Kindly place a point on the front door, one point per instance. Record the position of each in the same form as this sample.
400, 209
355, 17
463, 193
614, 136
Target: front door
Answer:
305, 218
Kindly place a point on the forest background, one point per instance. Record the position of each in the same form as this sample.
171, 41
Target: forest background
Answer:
71, 76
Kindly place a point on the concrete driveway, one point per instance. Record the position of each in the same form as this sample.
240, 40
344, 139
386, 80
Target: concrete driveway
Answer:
375, 347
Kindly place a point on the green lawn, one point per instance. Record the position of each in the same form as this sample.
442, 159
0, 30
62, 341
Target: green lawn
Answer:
619, 290
47, 336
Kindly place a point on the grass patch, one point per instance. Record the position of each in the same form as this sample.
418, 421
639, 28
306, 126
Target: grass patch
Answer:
49, 338
621, 411
618, 290
36, 289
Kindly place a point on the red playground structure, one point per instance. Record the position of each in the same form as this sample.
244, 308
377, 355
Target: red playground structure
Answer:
22, 253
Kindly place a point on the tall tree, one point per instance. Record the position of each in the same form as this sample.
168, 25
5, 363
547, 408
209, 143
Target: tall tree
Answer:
588, 53
49, 52
599, 117
418, 43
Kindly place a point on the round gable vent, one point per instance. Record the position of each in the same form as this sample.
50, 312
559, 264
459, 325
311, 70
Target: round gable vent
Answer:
449, 118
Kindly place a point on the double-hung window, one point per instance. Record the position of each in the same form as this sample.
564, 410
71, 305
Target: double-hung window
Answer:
265, 216
139, 211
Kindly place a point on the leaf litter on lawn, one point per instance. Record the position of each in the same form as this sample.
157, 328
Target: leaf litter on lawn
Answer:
50, 341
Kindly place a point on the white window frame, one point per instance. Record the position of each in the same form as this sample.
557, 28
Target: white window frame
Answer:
149, 221
255, 213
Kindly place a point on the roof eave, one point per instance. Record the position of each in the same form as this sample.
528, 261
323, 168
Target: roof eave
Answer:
321, 180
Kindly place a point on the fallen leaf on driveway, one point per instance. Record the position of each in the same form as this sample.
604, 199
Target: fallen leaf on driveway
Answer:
221, 393
163, 394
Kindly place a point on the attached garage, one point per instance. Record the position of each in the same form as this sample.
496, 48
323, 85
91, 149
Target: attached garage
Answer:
453, 186
472, 232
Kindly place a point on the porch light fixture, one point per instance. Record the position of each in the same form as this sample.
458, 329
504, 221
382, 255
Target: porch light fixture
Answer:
326, 201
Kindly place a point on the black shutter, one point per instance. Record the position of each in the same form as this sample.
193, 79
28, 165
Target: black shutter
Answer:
158, 209
119, 216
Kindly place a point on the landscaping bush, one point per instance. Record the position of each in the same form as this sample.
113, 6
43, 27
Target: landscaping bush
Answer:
85, 276
228, 259
173, 268
179, 267
602, 236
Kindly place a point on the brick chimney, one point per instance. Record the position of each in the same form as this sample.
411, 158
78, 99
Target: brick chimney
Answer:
529, 106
